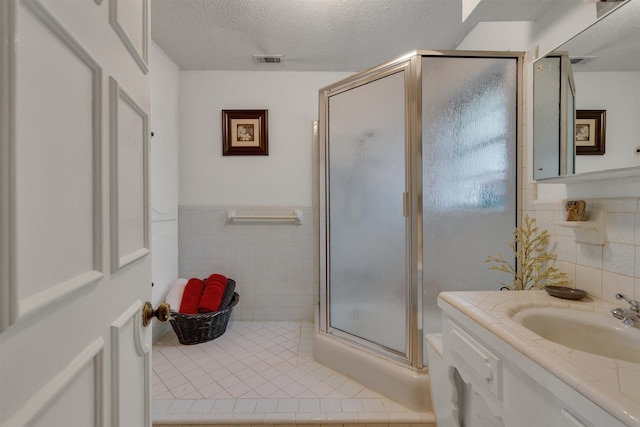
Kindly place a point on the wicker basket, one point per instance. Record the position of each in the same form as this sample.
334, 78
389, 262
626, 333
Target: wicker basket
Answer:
202, 327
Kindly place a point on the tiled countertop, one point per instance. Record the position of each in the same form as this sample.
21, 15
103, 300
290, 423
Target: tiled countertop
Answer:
612, 384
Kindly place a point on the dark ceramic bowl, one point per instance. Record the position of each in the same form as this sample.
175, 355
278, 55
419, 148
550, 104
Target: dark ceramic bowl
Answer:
564, 292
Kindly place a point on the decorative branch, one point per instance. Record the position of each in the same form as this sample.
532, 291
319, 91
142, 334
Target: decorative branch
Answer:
533, 269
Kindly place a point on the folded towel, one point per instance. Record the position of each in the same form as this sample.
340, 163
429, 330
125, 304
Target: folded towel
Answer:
191, 296
227, 296
216, 278
174, 296
212, 293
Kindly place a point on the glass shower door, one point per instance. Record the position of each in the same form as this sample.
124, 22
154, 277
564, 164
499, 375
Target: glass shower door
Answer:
469, 170
366, 223
418, 185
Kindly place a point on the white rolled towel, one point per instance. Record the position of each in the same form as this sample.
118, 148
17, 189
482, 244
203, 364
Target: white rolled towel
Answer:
174, 296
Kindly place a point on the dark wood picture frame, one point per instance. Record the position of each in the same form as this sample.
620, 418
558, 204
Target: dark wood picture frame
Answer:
590, 131
245, 133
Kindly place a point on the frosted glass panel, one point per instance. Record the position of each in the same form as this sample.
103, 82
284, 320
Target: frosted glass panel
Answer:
546, 125
570, 130
367, 288
469, 173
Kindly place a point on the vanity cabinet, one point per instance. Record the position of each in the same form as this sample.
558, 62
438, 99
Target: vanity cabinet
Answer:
496, 385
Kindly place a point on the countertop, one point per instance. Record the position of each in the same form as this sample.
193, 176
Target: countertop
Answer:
612, 384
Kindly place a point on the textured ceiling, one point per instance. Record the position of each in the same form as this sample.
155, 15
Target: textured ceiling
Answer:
318, 35
612, 44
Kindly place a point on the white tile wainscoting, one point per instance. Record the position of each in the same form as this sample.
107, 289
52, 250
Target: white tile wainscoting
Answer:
274, 264
601, 270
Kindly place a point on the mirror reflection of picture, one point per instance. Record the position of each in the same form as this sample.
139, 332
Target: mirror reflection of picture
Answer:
582, 132
590, 131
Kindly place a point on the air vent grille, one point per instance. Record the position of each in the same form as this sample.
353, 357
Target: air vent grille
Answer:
268, 59
581, 60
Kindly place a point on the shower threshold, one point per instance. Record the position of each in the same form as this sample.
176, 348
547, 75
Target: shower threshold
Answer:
403, 384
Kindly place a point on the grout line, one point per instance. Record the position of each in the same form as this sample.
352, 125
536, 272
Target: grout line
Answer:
262, 371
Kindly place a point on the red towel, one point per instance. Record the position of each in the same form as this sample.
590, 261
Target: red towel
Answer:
212, 293
216, 279
191, 296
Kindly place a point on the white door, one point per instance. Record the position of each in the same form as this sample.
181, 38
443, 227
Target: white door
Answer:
74, 220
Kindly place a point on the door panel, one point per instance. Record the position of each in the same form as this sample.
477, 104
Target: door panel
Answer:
129, 192
366, 163
126, 18
131, 364
51, 406
64, 100
73, 351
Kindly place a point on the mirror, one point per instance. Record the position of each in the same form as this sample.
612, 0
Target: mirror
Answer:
604, 65
553, 116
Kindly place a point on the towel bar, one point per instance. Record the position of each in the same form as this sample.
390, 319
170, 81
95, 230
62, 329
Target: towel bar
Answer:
232, 217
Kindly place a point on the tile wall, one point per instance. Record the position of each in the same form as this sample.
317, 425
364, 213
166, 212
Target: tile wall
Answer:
601, 270
274, 264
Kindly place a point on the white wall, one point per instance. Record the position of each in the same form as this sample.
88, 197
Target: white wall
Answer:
619, 95
163, 165
284, 177
275, 265
491, 36
559, 24
164, 143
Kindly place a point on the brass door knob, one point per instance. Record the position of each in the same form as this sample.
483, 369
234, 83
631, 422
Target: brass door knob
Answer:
148, 313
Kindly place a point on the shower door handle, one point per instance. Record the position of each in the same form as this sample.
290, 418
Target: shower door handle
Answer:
405, 204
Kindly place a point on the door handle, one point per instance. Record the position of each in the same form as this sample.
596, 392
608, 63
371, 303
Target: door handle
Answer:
148, 313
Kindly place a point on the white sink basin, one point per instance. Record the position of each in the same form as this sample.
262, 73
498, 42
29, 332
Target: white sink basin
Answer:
585, 331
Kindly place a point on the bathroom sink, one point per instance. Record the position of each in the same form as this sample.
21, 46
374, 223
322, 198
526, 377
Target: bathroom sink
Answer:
585, 331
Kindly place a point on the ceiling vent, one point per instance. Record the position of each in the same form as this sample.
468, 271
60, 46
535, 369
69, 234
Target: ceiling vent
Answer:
581, 60
268, 59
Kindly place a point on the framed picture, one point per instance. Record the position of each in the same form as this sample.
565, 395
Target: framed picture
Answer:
245, 133
590, 131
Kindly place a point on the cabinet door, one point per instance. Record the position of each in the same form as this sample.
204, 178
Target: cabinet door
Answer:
506, 388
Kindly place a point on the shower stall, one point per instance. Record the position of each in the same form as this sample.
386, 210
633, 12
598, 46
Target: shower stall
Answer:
418, 181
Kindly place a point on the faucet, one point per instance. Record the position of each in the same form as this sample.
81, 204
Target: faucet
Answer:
629, 316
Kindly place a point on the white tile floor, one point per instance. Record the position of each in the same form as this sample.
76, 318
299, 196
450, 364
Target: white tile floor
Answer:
262, 373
